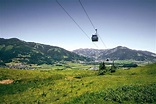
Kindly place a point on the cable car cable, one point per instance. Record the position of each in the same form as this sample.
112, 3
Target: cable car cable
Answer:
87, 14
74, 21
102, 41
91, 22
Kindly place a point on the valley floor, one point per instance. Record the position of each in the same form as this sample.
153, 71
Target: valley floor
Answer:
76, 86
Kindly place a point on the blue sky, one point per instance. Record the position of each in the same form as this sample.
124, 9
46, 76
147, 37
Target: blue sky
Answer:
130, 23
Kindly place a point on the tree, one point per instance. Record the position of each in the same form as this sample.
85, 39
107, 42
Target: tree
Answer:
102, 68
113, 68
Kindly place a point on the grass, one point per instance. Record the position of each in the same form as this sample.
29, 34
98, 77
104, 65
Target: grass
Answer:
73, 86
124, 94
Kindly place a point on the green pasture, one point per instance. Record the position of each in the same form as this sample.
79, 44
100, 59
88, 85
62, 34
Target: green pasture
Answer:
75, 84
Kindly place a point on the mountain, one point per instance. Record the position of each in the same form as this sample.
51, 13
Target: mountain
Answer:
118, 53
15, 50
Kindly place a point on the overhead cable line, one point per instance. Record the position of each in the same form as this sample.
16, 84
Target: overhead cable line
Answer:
91, 21
87, 15
102, 41
74, 21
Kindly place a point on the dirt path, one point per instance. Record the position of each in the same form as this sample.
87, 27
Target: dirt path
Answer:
8, 81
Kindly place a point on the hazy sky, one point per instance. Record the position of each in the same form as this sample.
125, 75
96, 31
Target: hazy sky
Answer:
130, 23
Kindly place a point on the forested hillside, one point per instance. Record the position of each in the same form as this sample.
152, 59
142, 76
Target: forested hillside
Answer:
15, 50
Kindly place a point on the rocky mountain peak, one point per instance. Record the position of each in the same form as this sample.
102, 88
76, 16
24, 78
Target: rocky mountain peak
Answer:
118, 53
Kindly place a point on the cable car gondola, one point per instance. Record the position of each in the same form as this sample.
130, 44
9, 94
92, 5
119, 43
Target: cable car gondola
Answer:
107, 59
95, 37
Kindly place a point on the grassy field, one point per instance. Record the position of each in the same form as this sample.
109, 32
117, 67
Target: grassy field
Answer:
76, 85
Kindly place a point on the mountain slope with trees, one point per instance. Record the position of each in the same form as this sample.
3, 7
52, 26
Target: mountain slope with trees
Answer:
15, 50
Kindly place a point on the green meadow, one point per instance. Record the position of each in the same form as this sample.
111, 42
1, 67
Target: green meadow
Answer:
75, 84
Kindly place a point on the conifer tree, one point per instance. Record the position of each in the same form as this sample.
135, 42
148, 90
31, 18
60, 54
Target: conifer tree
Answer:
102, 68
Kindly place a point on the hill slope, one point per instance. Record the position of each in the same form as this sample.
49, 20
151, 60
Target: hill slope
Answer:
33, 53
118, 53
134, 86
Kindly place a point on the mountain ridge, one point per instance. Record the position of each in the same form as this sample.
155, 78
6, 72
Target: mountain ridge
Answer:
117, 53
16, 50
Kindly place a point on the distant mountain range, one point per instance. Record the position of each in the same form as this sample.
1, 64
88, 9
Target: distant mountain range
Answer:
118, 53
18, 51
15, 50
